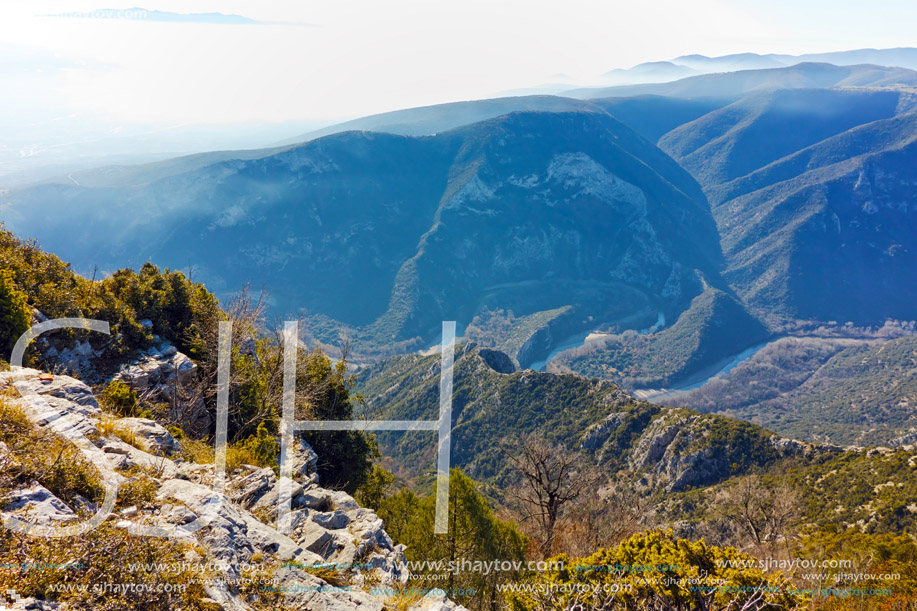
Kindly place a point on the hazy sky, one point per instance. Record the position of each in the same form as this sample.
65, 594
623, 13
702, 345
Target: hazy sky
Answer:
329, 59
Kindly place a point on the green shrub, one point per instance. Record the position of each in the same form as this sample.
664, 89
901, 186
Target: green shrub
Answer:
343, 456
375, 488
119, 398
179, 309
263, 447
49, 283
474, 534
15, 314
670, 573
198, 451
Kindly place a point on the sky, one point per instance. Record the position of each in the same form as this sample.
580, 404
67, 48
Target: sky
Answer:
338, 59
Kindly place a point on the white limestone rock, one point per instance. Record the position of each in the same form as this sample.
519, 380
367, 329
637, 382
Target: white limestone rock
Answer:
63, 402
152, 435
158, 369
436, 602
304, 461
38, 505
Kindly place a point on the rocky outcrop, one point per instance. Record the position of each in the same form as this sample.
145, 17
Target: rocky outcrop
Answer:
656, 442
436, 603
498, 361
38, 505
232, 535
78, 359
304, 462
62, 399
125, 456
597, 434
537, 346
233, 529
159, 370
793, 447
329, 530
152, 435
162, 374
33, 604
159, 374
674, 452
329, 524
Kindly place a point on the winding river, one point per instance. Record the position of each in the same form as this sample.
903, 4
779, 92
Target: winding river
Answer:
703, 376
696, 380
583, 339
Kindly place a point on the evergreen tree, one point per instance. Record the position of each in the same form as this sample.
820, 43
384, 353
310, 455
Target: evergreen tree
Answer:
15, 314
475, 536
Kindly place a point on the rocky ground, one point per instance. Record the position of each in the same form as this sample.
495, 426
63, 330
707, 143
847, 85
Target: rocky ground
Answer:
234, 528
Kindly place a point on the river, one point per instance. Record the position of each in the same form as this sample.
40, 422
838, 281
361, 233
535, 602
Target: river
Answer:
702, 377
586, 338
659, 394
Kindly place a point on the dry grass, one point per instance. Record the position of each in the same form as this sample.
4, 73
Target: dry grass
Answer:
103, 555
197, 451
203, 453
140, 491
43, 456
13, 419
109, 426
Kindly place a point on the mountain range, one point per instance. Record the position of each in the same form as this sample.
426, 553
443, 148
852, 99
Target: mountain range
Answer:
732, 85
693, 65
391, 234
813, 195
736, 206
685, 359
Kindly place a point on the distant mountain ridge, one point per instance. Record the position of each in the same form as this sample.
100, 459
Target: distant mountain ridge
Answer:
545, 227
759, 129
708, 91
691, 65
902, 57
429, 120
735, 85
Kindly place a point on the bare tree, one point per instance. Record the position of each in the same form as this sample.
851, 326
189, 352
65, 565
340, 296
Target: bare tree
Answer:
247, 315
763, 513
551, 476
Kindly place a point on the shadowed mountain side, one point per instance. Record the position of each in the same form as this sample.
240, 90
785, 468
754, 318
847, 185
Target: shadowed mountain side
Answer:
835, 243
390, 234
733, 141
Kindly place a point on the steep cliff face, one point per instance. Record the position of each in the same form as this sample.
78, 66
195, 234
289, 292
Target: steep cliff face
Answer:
545, 211
234, 529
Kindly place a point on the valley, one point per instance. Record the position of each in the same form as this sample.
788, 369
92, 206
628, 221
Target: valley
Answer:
458, 306
560, 234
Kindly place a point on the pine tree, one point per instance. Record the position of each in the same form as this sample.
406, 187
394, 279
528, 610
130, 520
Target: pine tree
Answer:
15, 314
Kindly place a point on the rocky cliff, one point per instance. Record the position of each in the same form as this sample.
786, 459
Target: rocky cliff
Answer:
661, 448
336, 557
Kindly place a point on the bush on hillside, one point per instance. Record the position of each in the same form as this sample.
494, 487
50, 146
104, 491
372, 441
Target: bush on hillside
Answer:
14, 314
